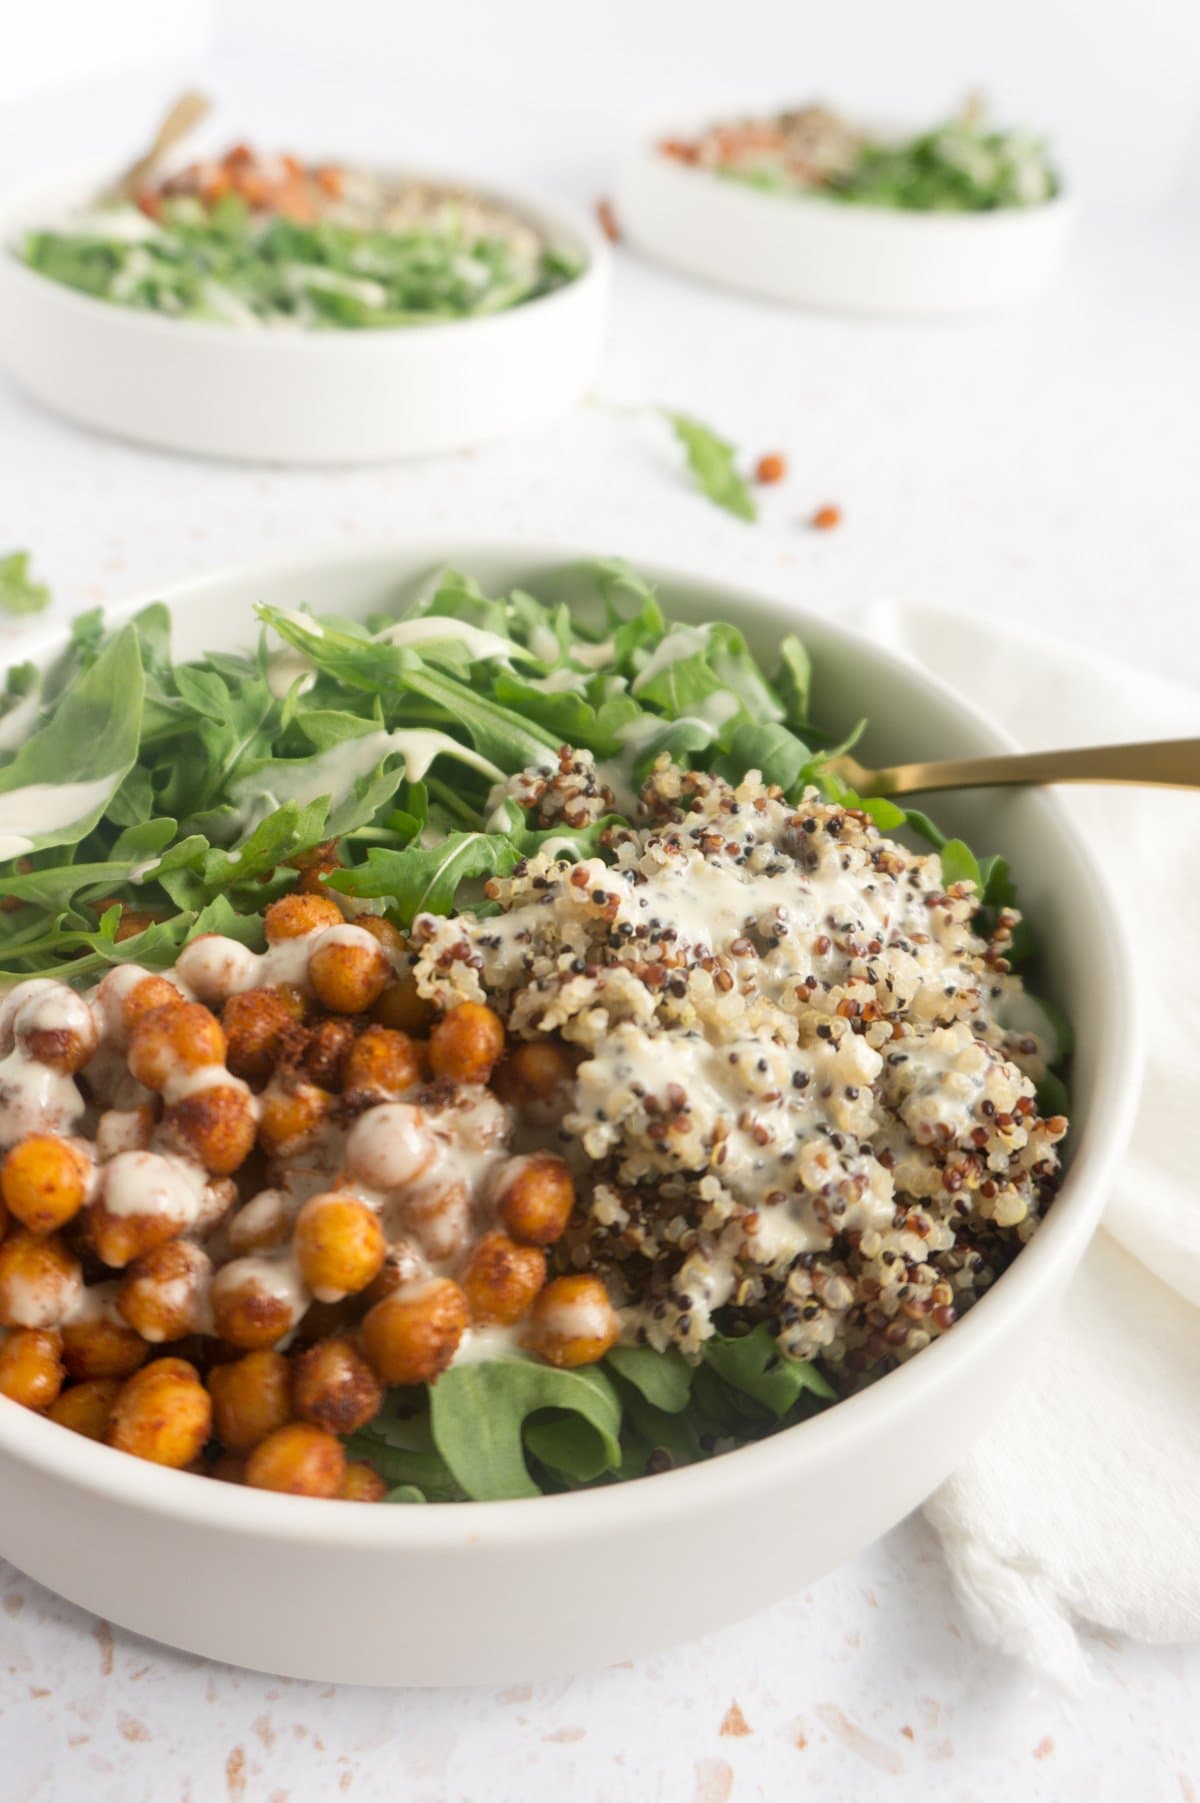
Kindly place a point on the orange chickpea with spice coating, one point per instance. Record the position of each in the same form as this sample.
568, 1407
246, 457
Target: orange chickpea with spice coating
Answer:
251, 1398
466, 1044
173, 1041
348, 969
249, 1310
534, 1196
291, 1114
502, 1279
412, 1335
381, 1062
299, 1460
31, 1367
535, 1077
215, 1126
334, 1387
296, 915
162, 1293
403, 1007
339, 1245
86, 1408
44, 1182
362, 1483
572, 1322
256, 1023
162, 1413
40, 1280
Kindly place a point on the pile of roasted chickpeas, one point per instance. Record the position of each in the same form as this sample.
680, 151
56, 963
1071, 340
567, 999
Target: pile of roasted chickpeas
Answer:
243, 1199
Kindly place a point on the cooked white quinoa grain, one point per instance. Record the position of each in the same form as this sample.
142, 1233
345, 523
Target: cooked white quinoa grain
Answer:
796, 1100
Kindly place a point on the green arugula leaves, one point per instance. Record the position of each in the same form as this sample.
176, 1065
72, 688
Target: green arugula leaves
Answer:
19, 593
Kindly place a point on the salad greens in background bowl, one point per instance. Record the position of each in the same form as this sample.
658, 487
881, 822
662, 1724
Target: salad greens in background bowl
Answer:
798, 205
489, 1589
421, 312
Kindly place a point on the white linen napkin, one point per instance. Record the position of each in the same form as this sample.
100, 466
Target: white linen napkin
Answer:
1078, 1507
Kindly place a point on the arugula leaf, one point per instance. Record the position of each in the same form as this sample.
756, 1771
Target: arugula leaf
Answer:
477, 1413
755, 1365
771, 748
664, 1379
711, 461
425, 879
19, 593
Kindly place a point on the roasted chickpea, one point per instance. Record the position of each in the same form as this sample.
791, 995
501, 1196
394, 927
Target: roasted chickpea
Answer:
535, 1078
86, 1408
44, 1181
162, 1413
339, 1245
502, 1279
572, 1322
466, 1043
438, 1215
215, 1125
291, 1114
300, 1460
403, 1264
262, 1224
534, 1196
56, 1028
390, 1146
214, 967
315, 865
412, 1335
348, 969
403, 1007
145, 1200
31, 1368
254, 1306
362, 1483
100, 1344
183, 1036
381, 1062
163, 1293
325, 1054
389, 937
3, 1217
251, 1398
145, 997
294, 916
256, 1024
40, 1281
334, 1387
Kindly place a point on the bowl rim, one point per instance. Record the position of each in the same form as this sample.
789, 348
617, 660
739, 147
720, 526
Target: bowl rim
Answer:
553, 217
783, 1458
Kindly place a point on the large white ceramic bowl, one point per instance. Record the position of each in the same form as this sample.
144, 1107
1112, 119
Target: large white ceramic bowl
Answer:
482, 1592
336, 396
813, 252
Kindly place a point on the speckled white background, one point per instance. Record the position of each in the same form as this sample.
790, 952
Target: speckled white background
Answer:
1041, 468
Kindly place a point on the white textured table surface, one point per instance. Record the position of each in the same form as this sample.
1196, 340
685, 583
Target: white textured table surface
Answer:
1042, 468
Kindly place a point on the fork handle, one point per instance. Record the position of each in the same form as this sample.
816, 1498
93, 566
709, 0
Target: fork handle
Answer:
1161, 763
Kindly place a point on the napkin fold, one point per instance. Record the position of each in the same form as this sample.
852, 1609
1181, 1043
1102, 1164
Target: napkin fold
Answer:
1077, 1508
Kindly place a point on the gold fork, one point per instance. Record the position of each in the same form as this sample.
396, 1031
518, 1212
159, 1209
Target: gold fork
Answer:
180, 118
1161, 763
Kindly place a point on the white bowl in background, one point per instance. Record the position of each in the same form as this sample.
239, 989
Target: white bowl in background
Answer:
819, 253
488, 1592
302, 396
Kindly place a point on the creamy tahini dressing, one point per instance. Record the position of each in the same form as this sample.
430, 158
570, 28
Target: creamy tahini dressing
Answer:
334, 772
39, 809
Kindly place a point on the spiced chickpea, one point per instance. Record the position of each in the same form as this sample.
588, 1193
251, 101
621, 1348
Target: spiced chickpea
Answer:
173, 1040
294, 916
256, 1023
438, 1216
348, 969
535, 1077
466, 1043
251, 1397
86, 1408
412, 1335
145, 997
44, 1181
534, 1196
315, 865
572, 1322
291, 1114
215, 1126
162, 1295
334, 1387
403, 1007
100, 1344
339, 1245
56, 1028
252, 1306
162, 1413
261, 1224
31, 1368
390, 1146
502, 1279
299, 1460
381, 1062
40, 1280
362, 1483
